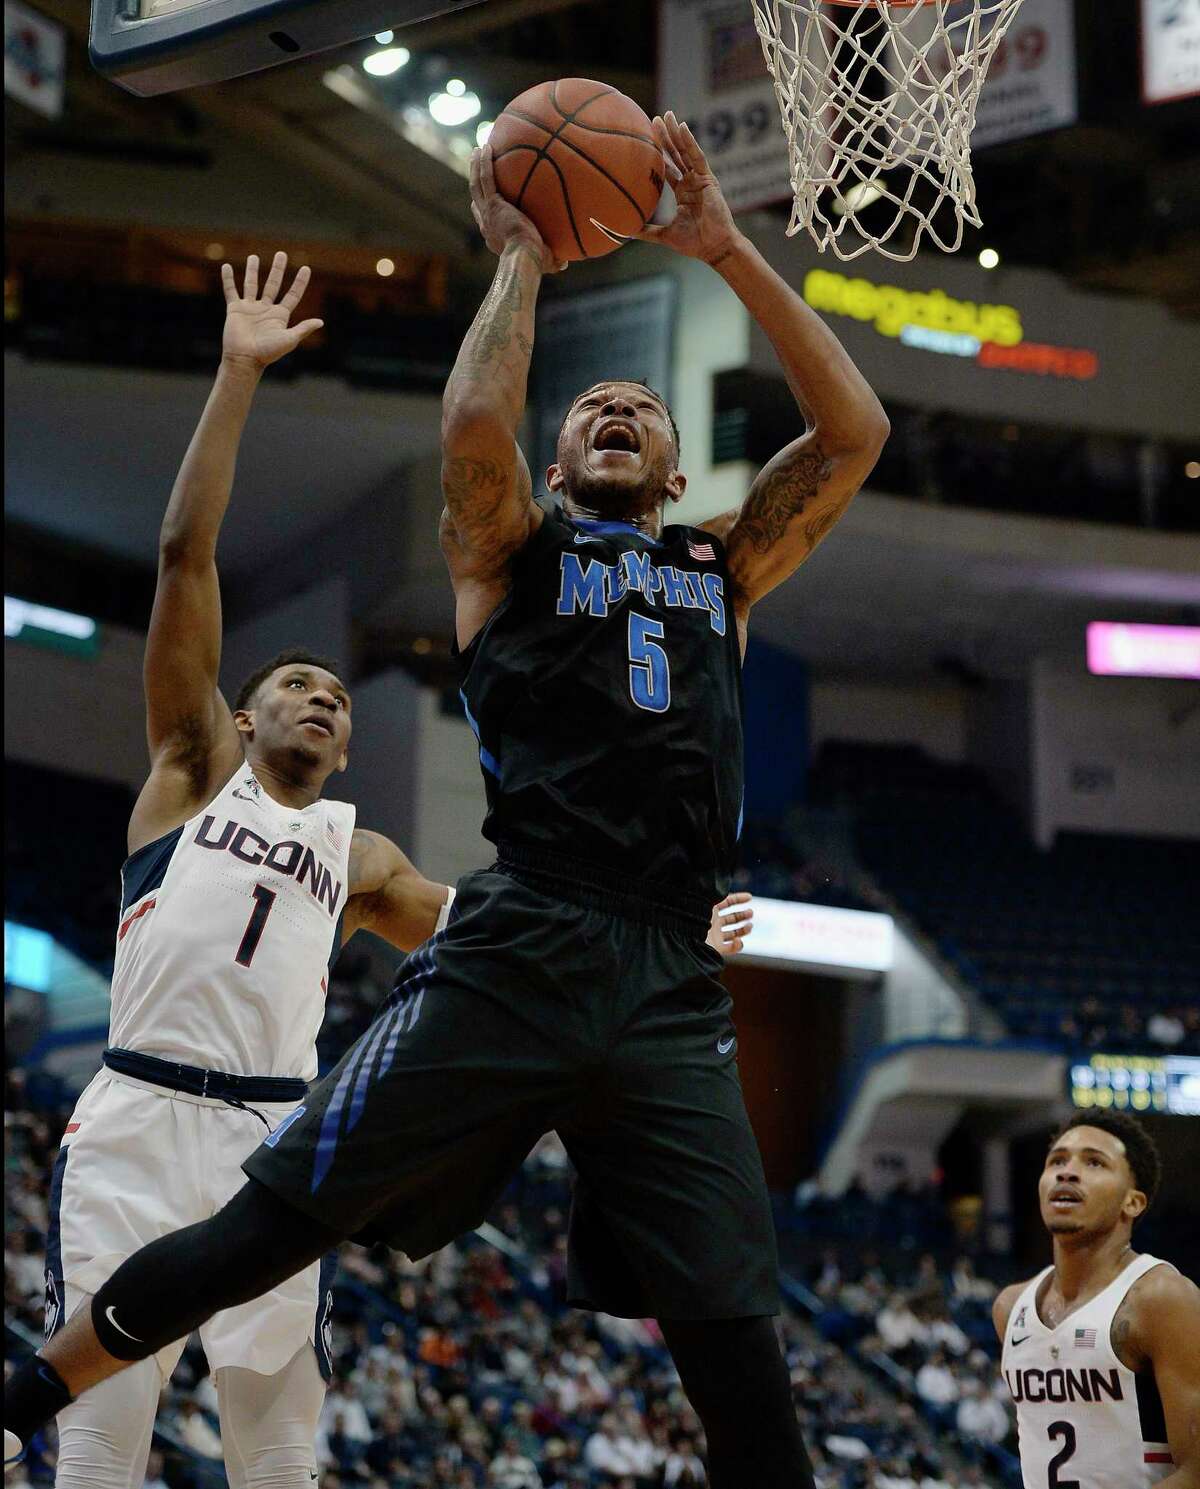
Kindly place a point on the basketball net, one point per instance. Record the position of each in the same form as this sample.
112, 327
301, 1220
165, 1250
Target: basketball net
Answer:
878, 100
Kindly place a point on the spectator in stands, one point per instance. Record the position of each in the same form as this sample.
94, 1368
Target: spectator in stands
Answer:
898, 1327
511, 1469
682, 1468
980, 1417
1166, 1028
154, 1471
194, 1431
937, 1387
966, 1285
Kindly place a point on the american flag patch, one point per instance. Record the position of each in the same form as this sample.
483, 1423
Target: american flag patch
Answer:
1085, 1339
702, 551
333, 835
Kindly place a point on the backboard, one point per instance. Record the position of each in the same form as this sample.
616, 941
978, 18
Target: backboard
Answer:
160, 46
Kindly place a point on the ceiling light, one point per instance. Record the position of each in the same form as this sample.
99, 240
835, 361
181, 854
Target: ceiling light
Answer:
483, 132
456, 87
858, 196
450, 110
385, 38
385, 267
1192, 470
988, 258
383, 64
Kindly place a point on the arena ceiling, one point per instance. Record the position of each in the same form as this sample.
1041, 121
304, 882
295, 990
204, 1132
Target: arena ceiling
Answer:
1113, 203
889, 594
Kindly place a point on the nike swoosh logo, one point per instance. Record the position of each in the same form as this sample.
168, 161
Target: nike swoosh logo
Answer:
241, 796
725, 1045
108, 1314
1015, 1342
587, 537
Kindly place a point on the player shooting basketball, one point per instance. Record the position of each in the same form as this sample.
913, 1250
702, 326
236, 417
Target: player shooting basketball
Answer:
573, 987
1101, 1350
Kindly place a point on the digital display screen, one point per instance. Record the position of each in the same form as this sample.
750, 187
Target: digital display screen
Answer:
1137, 1083
1118, 650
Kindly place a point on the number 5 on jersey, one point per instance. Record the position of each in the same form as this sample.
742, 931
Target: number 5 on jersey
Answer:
649, 669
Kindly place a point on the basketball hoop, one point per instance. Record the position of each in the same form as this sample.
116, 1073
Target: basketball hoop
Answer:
878, 101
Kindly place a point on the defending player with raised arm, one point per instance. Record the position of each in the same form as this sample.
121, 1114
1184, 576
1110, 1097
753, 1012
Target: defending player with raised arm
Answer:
1101, 1350
618, 449
291, 719
239, 883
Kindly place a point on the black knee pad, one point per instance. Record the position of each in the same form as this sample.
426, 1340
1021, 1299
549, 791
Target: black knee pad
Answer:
175, 1284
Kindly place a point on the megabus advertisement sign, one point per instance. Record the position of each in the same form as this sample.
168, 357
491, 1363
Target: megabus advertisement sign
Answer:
991, 335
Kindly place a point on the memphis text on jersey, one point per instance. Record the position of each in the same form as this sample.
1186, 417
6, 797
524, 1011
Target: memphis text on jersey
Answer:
590, 587
287, 857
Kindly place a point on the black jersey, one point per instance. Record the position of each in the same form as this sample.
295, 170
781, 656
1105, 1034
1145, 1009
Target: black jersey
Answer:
605, 692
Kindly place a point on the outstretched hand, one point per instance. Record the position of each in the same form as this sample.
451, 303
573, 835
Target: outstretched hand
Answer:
256, 328
731, 924
703, 226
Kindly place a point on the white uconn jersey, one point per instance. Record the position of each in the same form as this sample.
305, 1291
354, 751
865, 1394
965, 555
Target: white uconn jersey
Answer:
228, 925
1085, 1420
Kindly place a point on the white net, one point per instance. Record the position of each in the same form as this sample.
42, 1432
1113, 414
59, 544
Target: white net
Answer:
878, 101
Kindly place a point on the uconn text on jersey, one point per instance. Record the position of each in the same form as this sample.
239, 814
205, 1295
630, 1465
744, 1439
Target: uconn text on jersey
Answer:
287, 858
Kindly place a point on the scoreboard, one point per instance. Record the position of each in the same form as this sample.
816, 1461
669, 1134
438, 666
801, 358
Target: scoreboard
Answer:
1138, 1083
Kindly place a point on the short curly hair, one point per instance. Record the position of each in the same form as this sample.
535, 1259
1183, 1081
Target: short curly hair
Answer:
1141, 1151
294, 655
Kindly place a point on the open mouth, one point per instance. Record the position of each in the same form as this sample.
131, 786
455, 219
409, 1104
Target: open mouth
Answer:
621, 435
1065, 1197
319, 723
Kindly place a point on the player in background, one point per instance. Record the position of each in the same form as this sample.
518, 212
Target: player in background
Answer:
572, 988
1101, 1350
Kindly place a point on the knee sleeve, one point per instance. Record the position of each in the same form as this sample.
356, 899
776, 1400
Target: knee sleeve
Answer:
104, 1435
172, 1286
269, 1423
737, 1380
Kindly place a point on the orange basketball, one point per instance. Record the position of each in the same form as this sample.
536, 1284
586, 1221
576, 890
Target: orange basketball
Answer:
576, 154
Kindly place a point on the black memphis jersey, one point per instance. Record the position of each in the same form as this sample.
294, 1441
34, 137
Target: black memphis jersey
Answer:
605, 692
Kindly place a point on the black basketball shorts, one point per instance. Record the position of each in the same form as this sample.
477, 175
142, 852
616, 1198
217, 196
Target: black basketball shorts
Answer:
531, 1012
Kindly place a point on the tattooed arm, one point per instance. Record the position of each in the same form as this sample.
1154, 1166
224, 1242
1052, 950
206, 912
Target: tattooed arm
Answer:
490, 512
799, 494
803, 491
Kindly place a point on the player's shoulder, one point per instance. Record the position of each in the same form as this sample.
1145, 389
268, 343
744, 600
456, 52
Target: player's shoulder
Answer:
1162, 1290
1004, 1303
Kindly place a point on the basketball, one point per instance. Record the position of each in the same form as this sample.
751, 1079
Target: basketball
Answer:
577, 156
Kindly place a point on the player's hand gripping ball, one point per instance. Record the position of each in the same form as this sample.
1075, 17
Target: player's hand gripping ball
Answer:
577, 157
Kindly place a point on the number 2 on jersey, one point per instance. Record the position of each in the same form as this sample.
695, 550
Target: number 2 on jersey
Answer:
649, 669
264, 898
1066, 1431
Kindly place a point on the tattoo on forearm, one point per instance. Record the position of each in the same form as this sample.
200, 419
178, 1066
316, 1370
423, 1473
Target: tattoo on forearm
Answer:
496, 328
790, 488
474, 491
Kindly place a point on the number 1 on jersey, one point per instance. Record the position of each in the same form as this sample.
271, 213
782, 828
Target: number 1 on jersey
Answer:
264, 898
649, 669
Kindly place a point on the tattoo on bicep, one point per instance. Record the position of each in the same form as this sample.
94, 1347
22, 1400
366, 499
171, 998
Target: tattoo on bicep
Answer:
785, 494
1122, 1327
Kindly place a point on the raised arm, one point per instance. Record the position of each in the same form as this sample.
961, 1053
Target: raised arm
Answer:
190, 731
490, 512
388, 895
803, 490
